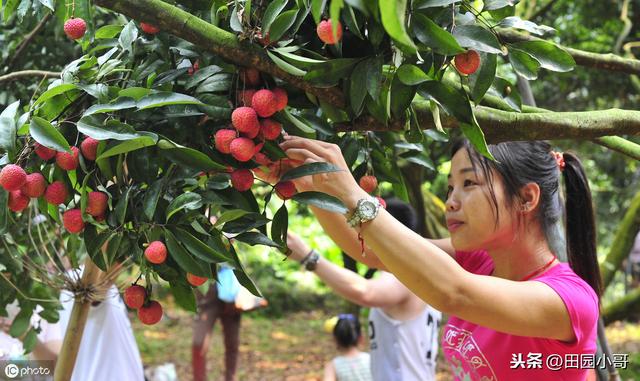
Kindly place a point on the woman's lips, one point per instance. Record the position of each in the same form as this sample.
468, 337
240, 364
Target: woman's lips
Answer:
454, 225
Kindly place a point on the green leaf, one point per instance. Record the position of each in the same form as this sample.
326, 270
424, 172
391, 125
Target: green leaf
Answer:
419, 158
11, 111
518, 23
230, 215
52, 92
134, 92
478, 38
453, 101
434, 36
256, 238
317, 7
550, 56
412, 75
4, 210
10, 9
151, 197
393, 19
524, 64
47, 135
119, 104
165, 99
481, 80
507, 93
189, 201
279, 227
94, 127
7, 135
282, 23
31, 338
284, 65
273, 10
199, 248
321, 200
476, 137
21, 322
184, 260
374, 76
108, 31
121, 207
297, 122
490, 5
201, 75
184, 296
192, 158
242, 277
128, 36
334, 14
358, 87
128, 146
94, 241
401, 96
309, 169
422, 4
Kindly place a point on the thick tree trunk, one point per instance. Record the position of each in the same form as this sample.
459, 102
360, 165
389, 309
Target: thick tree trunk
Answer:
623, 307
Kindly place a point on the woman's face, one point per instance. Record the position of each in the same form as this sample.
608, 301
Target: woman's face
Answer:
470, 213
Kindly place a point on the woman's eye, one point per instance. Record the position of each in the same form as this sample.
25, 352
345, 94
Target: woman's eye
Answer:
469, 183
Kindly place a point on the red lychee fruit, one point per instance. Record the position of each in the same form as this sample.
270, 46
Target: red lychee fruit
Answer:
156, 252
148, 28
242, 179
75, 28
250, 76
56, 193
17, 201
35, 185
151, 313
467, 62
261, 159
223, 139
325, 32
89, 148
244, 97
96, 203
245, 119
135, 296
270, 129
195, 280
12, 177
265, 103
286, 189
282, 99
45, 153
72, 220
368, 183
68, 161
242, 149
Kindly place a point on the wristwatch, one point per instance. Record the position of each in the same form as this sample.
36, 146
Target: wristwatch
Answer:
366, 210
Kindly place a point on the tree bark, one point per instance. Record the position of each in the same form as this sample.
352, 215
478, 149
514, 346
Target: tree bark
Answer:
623, 307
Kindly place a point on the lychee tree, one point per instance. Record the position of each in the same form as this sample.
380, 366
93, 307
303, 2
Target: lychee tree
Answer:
146, 148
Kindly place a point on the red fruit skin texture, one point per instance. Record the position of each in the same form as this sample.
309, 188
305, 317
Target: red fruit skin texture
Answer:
242, 149
261, 159
282, 99
97, 203
325, 32
270, 129
368, 183
56, 193
148, 28
244, 97
151, 313
72, 220
242, 179
12, 177
89, 148
195, 280
245, 119
135, 296
68, 161
75, 28
223, 139
156, 252
45, 153
17, 201
286, 189
467, 63
35, 185
265, 103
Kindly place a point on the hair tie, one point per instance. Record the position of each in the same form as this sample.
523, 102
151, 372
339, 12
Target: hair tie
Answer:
559, 156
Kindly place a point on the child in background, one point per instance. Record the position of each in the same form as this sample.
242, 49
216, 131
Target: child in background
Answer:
352, 364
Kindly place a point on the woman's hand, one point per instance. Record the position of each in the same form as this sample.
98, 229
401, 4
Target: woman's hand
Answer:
339, 184
299, 248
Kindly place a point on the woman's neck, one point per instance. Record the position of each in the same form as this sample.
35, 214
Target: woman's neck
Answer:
522, 258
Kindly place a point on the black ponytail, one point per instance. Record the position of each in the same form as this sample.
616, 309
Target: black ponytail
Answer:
580, 224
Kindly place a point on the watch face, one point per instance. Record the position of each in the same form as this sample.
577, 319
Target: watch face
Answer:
368, 209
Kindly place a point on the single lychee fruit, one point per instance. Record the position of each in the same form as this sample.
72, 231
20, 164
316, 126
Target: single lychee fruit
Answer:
262, 159
286, 189
35, 185
72, 220
242, 149
467, 62
265, 103
56, 193
244, 97
89, 148
151, 313
75, 28
68, 161
245, 119
156, 252
148, 28
282, 99
96, 203
270, 129
368, 183
223, 140
325, 32
251, 134
383, 203
18, 201
250, 76
135, 296
242, 179
12, 177
45, 153
195, 280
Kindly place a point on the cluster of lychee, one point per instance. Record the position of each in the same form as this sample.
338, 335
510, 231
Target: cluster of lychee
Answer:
252, 126
22, 186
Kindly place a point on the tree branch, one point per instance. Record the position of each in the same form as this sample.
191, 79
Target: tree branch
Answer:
27, 40
609, 61
28, 73
217, 40
623, 307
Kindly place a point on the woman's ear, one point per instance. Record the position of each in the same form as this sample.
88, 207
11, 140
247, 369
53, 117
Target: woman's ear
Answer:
530, 196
